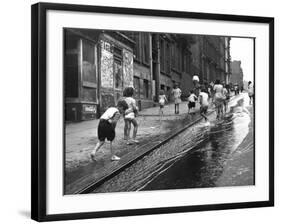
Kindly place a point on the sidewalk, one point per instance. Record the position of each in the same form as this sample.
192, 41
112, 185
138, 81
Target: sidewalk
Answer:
81, 139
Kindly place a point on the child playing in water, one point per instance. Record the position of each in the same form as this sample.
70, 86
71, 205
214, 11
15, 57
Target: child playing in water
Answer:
162, 100
191, 100
106, 127
204, 103
130, 116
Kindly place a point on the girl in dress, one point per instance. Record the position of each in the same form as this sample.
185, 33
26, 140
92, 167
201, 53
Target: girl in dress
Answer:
162, 100
177, 98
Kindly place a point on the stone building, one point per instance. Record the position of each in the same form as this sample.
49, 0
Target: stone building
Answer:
211, 58
99, 64
236, 77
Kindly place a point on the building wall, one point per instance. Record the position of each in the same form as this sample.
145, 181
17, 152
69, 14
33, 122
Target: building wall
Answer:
237, 73
80, 76
116, 70
106, 62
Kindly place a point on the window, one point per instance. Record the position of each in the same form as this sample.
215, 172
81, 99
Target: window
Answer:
137, 52
167, 58
145, 47
89, 75
89, 68
145, 88
137, 86
162, 55
173, 57
118, 75
71, 64
183, 65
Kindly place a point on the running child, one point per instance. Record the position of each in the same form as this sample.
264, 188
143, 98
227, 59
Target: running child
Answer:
162, 100
204, 103
130, 116
191, 100
106, 127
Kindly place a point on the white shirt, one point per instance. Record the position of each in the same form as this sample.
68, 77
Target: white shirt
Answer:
176, 92
192, 97
204, 98
110, 113
162, 99
218, 91
131, 105
218, 88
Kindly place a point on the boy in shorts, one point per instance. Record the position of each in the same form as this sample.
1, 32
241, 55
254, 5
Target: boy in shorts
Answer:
106, 127
191, 100
204, 103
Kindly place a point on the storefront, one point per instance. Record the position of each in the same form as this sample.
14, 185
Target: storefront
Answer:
97, 67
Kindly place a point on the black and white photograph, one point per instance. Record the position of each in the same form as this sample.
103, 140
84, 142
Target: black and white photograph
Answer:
150, 111
143, 112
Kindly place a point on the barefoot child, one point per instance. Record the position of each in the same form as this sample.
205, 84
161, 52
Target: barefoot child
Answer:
204, 103
106, 127
191, 100
130, 116
162, 100
177, 98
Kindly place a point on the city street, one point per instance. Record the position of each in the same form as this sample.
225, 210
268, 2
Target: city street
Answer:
201, 156
81, 138
219, 154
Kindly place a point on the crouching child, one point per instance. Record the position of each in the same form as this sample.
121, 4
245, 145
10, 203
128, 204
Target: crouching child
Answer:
106, 127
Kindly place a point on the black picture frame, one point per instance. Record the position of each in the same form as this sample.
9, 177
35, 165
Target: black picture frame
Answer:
39, 110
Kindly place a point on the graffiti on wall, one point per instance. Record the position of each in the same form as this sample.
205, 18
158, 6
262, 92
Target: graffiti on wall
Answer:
107, 100
106, 69
128, 73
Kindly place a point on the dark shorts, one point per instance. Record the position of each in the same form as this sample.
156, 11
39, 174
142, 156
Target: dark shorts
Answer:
203, 109
106, 131
191, 105
161, 106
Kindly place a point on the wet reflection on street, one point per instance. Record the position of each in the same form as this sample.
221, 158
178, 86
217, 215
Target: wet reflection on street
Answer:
198, 157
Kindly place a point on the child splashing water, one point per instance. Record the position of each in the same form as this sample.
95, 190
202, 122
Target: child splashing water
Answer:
130, 116
191, 101
204, 104
106, 127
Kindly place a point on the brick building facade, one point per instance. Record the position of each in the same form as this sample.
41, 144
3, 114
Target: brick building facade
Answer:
99, 64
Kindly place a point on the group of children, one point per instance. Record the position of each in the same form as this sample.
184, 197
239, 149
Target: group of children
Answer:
127, 108
203, 100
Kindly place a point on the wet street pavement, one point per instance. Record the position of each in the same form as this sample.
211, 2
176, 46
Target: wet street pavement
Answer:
220, 154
